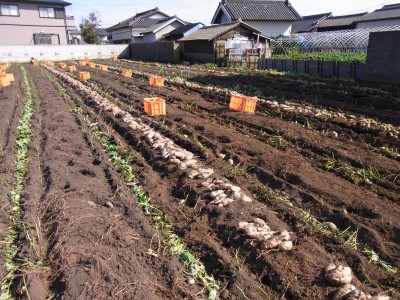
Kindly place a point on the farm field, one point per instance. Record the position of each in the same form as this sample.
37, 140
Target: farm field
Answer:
101, 201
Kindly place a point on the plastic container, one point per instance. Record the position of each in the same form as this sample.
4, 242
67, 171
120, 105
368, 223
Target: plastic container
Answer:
86, 59
62, 65
3, 67
103, 68
10, 77
84, 75
91, 65
82, 63
72, 68
249, 105
126, 73
236, 102
156, 81
115, 58
154, 106
243, 103
4, 81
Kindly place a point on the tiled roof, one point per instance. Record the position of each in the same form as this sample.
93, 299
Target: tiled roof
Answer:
339, 21
159, 24
50, 1
211, 32
387, 12
101, 31
140, 20
261, 10
183, 29
308, 22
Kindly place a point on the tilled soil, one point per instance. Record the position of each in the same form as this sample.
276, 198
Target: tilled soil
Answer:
295, 172
11, 105
99, 240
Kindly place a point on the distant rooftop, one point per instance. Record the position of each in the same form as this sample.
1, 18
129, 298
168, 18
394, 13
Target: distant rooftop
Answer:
391, 11
261, 10
308, 22
346, 20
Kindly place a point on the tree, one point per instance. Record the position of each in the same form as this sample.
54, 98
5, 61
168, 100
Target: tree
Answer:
88, 28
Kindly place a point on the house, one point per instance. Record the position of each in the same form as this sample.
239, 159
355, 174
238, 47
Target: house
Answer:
388, 15
339, 23
35, 22
102, 33
146, 26
308, 23
235, 39
182, 31
164, 26
272, 18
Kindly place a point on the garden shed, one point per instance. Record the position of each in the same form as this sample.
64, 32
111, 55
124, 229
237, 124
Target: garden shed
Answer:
222, 43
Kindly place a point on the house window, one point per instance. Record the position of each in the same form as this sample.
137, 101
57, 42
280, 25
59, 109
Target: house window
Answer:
9, 10
51, 12
47, 12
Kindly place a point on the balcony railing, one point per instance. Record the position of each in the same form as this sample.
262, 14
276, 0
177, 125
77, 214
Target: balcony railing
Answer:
70, 18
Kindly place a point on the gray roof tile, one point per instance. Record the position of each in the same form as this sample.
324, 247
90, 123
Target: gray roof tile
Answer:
140, 20
261, 10
211, 32
308, 22
339, 21
387, 12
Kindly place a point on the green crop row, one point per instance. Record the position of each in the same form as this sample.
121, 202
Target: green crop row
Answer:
24, 137
323, 56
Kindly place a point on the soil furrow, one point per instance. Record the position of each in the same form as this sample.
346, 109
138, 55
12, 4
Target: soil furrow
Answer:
98, 241
223, 228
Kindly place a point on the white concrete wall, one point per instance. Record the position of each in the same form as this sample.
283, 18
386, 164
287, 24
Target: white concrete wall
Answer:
272, 28
371, 24
61, 52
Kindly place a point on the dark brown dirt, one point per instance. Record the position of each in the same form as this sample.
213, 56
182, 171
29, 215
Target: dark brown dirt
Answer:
11, 104
373, 100
96, 239
294, 171
94, 251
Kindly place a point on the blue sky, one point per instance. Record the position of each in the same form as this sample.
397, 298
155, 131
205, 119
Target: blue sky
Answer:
112, 12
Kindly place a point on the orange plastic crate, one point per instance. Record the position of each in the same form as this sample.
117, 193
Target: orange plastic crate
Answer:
91, 65
114, 58
4, 81
236, 102
84, 75
154, 106
249, 105
72, 68
126, 73
82, 63
3, 67
103, 68
243, 103
62, 65
10, 77
86, 59
156, 81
